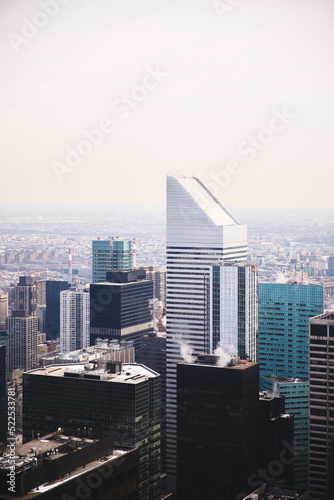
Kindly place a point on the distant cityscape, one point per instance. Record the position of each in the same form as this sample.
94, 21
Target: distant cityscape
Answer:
35, 240
193, 346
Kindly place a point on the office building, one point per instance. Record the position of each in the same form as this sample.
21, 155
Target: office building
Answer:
330, 268
22, 326
22, 342
228, 436
3, 307
62, 465
233, 309
321, 365
120, 400
276, 492
121, 308
296, 393
114, 254
276, 437
284, 312
153, 355
199, 231
25, 297
3, 386
48, 295
217, 428
158, 276
74, 319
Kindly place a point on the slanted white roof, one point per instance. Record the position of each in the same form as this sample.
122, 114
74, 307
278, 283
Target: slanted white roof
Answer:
206, 201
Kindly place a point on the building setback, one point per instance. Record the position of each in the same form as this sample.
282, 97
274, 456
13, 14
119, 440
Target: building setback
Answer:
199, 231
121, 400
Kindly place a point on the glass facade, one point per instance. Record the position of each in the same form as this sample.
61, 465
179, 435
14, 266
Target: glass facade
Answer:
296, 394
121, 311
110, 255
128, 409
233, 315
284, 312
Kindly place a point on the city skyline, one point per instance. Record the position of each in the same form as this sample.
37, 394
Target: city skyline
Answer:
240, 97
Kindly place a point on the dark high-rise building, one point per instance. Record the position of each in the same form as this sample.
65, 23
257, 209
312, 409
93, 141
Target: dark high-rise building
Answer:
153, 355
121, 308
217, 428
321, 450
276, 439
120, 400
48, 294
63, 466
3, 386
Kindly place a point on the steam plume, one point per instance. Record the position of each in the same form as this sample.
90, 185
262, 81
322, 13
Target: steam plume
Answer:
186, 352
224, 355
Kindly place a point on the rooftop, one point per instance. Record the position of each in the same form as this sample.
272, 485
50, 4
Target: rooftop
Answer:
36, 453
233, 363
207, 201
287, 380
326, 316
132, 373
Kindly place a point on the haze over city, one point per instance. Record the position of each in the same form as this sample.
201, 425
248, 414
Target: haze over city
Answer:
240, 96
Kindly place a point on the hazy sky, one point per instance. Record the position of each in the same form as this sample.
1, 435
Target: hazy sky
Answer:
239, 93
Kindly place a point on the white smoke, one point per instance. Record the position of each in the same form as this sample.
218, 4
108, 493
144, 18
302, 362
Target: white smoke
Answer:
164, 322
281, 278
186, 352
223, 357
224, 354
275, 388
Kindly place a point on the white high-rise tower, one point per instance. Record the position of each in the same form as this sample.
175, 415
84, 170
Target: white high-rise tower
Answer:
74, 319
200, 231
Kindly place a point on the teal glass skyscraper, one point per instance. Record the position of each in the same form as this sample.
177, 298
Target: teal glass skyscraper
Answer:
284, 312
114, 254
